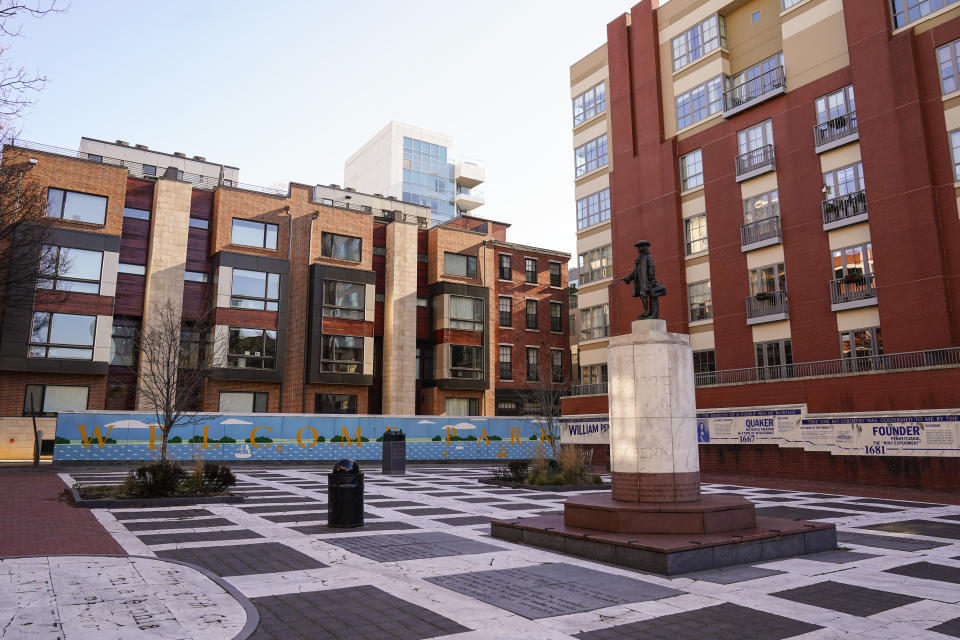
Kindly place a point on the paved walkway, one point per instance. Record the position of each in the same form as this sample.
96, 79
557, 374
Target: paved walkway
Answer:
424, 566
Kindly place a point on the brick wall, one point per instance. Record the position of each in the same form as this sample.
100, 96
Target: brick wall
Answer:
13, 387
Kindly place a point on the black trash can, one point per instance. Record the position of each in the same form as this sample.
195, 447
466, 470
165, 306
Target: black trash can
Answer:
394, 453
345, 495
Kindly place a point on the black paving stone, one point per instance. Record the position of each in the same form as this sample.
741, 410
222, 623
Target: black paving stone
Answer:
854, 507
159, 513
932, 528
197, 523
772, 491
279, 499
519, 506
730, 487
379, 525
949, 518
279, 508
732, 575
464, 521
838, 557
245, 559
393, 504
448, 494
887, 542
818, 495
948, 628
724, 621
198, 536
776, 499
482, 500
899, 503
411, 546
313, 516
801, 513
846, 598
548, 590
928, 571
430, 511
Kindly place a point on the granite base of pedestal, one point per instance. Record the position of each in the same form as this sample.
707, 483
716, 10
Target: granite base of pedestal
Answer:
672, 553
709, 514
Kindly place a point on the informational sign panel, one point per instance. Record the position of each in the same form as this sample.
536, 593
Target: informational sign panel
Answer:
585, 429
887, 434
751, 425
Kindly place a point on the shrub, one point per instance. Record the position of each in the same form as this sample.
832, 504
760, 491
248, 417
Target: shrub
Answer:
210, 478
519, 470
153, 480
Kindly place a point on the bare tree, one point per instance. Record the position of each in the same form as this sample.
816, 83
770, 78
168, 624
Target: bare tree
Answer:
544, 399
18, 86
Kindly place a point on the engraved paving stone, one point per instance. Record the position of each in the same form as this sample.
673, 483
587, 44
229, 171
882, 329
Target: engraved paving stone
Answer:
948, 628
928, 571
934, 529
846, 598
887, 542
197, 523
801, 513
379, 525
138, 514
410, 546
198, 536
245, 559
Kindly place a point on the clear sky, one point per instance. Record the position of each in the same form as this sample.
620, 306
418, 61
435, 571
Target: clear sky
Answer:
288, 90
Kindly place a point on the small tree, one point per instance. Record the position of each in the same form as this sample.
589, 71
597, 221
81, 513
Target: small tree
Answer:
544, 398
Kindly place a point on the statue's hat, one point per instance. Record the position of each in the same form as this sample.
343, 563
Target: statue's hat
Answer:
642, 243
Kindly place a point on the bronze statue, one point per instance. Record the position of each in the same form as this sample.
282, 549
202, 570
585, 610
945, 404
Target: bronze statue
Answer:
645, 285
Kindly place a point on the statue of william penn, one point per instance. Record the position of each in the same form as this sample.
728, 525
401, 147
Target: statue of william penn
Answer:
645, 285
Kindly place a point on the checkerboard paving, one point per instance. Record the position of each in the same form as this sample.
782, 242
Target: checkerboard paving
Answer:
424, 565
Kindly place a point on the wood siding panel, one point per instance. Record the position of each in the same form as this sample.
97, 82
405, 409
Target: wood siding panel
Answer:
67, 302
130, 290
341, 327
246, 318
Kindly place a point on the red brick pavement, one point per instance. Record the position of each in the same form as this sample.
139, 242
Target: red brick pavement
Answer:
33, 521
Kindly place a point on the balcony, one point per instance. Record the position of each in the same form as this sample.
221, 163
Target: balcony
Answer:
596, 389
845, 210
468, 174
760, 233
767, 306
469, 201
853, 291
754, 91
755, 163
836, 132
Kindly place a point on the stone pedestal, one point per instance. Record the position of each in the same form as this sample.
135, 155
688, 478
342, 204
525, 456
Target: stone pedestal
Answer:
653, 423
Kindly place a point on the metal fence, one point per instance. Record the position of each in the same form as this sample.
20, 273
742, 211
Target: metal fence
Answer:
835, 128
766, 304
760, 230
852, 288
760, 158
754, 88
846, 206
596, 389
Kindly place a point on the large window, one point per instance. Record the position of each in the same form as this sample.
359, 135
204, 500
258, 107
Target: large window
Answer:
590, 156
595, 264
947, 61
334, 245
700, 102
530, 270
344, 299
506, 272
760, 207
252, 348
73, 205
786, 4
593, 209
556, 278
852, 262
62, 335
695, 233
466, 313
698, 297
595, 322
506, 311
836, 104
533, 364
590, 103
466, 362
506, 362
254, 234
243, 401
335, 403
955, 149
457, 264
74, 269
192, 345
859, 349
556, 317
255, 290
139, 214
755, 137
698, 41
593, 374
844, 181
48, 399
123, 349
691, 170
768, 279
774, 359
532, 314
342, 354
751, 76
462, 406
705, 366
907, 11
556, 365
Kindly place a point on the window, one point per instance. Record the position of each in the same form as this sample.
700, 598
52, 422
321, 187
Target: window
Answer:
705, 366
335, 403
907, 11
48, 399
593, 209
593, 374
836, 104
457, 264
334, 245
955, 149
859, 349
195, 276
556, 365
243, 402
755, 137
700, 102
62, 335
506, 362
416, 373
149, 169
74, 269
852, 262
139, 214
752, 81
595, 322
123, 349
555, 278
344, 299
94, 157
379, 298
769, 279
695, 232
698, 297
530, 270
699, 41
761, 207
755, 17
73, 205
533, 364
462, 406
134, 269
379, 251
691, 171
774, 359
341, 354
590, 156
466, 313
423, 257
505, 273
556, 317
252, 348
789, 3
422, 302
507, 408
254, 234
531, 314
199, 223
255, 290
595, 264
589, 103
844, 181
192, 339
466, 362
506, 311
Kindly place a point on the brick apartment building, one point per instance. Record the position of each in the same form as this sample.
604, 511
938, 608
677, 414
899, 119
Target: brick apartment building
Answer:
326, 300
796, 166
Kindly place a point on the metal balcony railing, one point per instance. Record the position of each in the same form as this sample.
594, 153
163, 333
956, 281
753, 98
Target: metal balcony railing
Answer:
758, 160
754, 89
949, 357
846, 206
835, 129
767, 304
594, 333
759, 230
596, 389
853, 287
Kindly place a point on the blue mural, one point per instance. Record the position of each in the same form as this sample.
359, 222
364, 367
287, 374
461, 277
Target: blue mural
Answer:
94, 435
